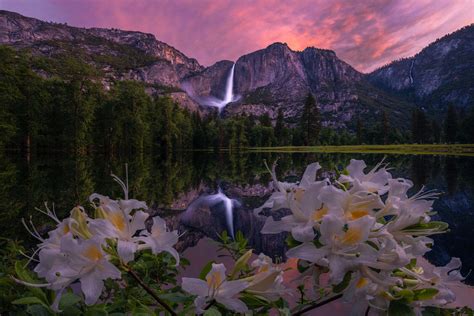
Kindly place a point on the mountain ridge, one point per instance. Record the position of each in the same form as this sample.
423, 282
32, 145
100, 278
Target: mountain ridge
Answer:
264, 80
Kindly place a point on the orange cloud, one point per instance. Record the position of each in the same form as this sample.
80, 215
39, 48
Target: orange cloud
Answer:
365, 34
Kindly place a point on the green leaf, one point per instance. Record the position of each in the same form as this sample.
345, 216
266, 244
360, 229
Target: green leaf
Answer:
205, 270
408, 295
68, 299
425, 294
28, 301
431, 226
400, 308
412, 264
291, 242
38, 310
241, 263
98, 310
224, 237
254, 301
338, 288
302, 265
175, 297
24, 275
212, 312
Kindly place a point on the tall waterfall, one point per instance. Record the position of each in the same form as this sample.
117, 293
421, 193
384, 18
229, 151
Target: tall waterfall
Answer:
229, 87
227, 205
229, 92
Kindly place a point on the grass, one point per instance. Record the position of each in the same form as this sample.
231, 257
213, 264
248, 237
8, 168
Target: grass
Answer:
406, 149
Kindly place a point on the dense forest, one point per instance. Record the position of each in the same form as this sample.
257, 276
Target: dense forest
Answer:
61, 104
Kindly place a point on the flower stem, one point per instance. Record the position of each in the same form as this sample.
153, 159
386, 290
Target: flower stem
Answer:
316, 305
150, 291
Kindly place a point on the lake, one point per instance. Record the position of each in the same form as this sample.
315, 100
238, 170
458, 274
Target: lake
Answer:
178, 188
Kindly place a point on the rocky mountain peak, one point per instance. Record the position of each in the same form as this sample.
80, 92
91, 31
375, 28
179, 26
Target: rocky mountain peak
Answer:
438, 75
266, 80
20, 31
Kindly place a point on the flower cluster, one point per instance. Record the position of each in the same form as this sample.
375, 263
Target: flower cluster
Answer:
363, 230
367, 232
79, 248
265, 280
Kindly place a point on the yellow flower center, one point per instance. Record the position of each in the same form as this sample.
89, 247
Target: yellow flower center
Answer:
357, 213
352, 236
318, 214
66, 229
361, 283
214, 280
118, 221
93, 253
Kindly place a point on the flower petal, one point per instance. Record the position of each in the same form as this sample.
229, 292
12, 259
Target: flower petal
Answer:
194, 286
231, 288
233, 304
92, 288
126, 250
307, 251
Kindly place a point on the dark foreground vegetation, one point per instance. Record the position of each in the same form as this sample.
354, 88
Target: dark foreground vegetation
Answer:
60, 104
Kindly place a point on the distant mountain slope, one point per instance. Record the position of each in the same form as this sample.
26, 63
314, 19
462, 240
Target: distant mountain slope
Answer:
278, 77
440, 74
118, 54
268, 79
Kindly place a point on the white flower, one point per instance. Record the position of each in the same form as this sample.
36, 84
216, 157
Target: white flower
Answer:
352, 204
218, 288
122, 227
343, 246
115, 221
280, 199
268, 279
160, 239
87, 262
362, 292
374, 181
307, 211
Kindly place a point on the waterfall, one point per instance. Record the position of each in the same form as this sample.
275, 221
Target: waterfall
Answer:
229, 92
229, 87
411, 71
227, 205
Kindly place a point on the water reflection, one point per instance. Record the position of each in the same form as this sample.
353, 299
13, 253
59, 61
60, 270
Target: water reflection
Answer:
214, 200
183, 189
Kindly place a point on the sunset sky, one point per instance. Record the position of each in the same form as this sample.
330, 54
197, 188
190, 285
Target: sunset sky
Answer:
366, 34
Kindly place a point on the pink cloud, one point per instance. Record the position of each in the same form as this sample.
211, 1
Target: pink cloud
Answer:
365, 34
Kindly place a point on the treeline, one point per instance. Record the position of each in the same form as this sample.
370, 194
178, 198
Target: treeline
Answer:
71, 111
67, 109
456, 127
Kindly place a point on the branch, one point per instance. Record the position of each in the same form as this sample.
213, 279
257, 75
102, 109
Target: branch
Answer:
316, 305
150, 291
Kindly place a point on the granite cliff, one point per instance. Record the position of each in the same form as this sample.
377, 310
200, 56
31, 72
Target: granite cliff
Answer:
265, 80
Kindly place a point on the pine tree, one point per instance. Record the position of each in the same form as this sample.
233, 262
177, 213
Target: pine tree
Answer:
280, 127
359, 131
385, 127
414, 126
419, 127
451, 125
265, 120
310, 121
436, 131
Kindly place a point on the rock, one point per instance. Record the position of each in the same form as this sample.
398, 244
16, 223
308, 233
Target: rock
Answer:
266, 80
438, 75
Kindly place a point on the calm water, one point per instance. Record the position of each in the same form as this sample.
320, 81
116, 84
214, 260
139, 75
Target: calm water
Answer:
178, 189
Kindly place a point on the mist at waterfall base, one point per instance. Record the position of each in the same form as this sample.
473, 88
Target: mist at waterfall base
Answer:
212, 100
